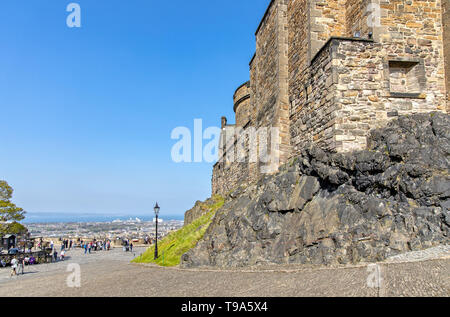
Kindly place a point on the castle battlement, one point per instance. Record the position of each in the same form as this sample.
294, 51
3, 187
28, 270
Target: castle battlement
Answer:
329, 71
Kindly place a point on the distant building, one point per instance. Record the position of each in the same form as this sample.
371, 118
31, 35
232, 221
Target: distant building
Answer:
8, 241
159, 220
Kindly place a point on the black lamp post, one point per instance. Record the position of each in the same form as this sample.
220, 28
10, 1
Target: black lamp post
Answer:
156, 240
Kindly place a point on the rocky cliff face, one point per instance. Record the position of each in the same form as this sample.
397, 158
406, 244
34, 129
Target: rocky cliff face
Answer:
327, 208
200, 209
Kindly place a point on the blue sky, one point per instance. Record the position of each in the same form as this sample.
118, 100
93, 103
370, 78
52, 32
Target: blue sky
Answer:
86, 114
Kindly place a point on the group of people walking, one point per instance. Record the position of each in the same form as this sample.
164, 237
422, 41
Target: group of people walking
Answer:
95, 246
18, 264
66, 244
127, 246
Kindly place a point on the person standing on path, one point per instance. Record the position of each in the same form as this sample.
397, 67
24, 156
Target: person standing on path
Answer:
131, 247
14, 266
21, 266
85, 248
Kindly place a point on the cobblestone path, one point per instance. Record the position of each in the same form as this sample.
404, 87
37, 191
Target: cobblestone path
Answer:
110, 274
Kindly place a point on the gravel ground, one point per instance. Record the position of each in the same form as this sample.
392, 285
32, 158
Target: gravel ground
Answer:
111, 274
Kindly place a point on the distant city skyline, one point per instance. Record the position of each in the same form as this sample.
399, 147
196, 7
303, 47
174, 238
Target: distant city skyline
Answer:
46, 217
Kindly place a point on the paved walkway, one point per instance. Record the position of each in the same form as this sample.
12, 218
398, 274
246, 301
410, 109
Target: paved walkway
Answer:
111, 274
73, 256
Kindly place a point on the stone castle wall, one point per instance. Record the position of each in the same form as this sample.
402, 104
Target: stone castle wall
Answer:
271, 90
253, 167
242, 105
313, 109
261, 103
321, 73
226, 176
228, 173
446, 24
325, 19
353, 85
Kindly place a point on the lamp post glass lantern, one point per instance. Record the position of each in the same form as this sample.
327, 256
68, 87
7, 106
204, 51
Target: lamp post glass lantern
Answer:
157, 208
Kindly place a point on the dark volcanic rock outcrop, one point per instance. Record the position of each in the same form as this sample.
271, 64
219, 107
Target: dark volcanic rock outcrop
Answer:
200, 209
328, 208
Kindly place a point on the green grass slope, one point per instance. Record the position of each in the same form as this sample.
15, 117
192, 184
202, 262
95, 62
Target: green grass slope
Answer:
172, 247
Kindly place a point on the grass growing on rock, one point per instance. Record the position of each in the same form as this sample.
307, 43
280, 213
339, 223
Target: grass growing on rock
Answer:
172, 247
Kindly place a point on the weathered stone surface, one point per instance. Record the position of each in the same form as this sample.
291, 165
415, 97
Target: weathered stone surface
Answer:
446, 25
328, 208
323, 73
200, 209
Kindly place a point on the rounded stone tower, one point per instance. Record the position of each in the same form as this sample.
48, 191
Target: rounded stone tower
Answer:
241, 100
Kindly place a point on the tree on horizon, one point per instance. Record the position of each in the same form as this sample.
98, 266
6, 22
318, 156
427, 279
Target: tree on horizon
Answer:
10, 214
